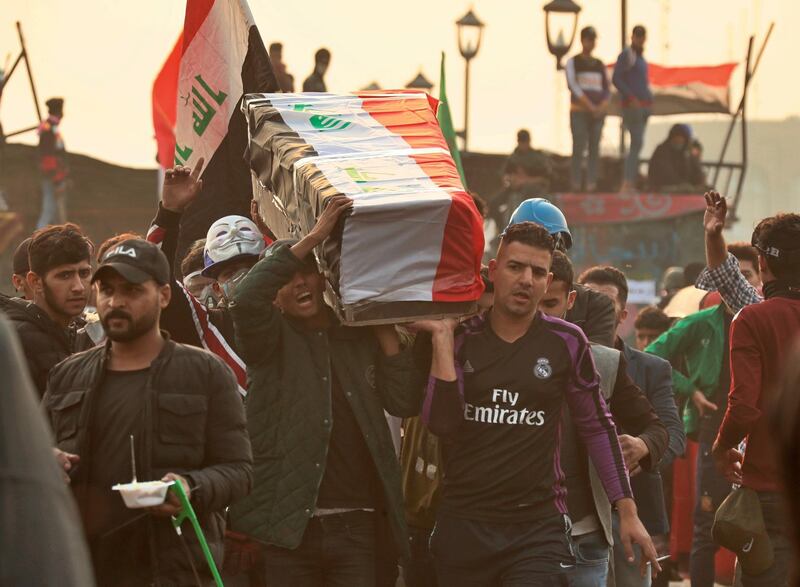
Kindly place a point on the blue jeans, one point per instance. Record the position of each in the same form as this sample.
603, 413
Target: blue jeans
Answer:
635, 120
591, 555
586, 130
49, 208
712, 489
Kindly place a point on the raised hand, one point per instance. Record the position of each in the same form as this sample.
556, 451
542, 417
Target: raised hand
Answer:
181, 186
333, 210
715, 214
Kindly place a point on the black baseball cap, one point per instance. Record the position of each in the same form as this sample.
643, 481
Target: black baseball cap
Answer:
137, 261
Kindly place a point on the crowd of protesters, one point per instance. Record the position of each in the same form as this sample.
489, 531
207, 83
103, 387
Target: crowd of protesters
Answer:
526, 445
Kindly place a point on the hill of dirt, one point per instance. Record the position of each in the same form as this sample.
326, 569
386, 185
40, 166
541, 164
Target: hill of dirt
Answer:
104, 199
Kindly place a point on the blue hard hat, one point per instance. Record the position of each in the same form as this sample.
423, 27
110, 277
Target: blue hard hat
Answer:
544, 213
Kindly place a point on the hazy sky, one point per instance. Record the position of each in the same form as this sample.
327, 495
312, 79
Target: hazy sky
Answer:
102, 56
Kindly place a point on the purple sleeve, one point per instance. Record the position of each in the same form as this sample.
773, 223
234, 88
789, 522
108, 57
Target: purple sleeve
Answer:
594, 423
443, 406
443, 410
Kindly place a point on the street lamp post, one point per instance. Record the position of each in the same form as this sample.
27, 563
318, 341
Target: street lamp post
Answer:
560, 47
470, 32
561, 11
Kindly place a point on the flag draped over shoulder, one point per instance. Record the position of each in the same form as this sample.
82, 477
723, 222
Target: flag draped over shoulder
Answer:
218, 58
446, 124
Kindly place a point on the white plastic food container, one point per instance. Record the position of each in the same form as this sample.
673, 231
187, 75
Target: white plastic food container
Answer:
143, 494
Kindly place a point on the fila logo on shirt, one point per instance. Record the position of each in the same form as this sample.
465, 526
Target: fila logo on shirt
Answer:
542, 369
122, 250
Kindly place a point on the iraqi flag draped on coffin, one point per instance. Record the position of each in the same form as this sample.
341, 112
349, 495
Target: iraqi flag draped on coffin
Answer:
412, 246
196, 107
686, 90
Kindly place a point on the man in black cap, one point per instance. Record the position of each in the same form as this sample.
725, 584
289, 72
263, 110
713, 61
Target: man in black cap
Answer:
52, 165
181, 406
21, 266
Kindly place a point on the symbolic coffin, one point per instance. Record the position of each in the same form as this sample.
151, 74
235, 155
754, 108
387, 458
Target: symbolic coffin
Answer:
412, 245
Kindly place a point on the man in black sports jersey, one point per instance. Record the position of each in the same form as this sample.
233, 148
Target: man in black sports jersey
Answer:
498, 385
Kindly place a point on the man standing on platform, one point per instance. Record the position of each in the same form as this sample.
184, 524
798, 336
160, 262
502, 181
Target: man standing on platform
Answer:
632, 81
589, 89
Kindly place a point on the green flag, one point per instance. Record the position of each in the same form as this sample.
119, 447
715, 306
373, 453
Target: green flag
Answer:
446, 124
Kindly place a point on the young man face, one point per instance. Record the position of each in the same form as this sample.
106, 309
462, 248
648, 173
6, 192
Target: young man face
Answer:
129, 310
750, 272
644, 336
612, 292
64, 290
558, 300
521, 275
301, 298
637, 41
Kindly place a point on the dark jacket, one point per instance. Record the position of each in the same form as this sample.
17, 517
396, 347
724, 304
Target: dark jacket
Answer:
289, 405
593, 313
41, 539
633, 414
44, 342
673, 169
194, 426
653, 375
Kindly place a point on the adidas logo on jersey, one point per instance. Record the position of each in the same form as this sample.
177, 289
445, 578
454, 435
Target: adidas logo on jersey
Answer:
468, 367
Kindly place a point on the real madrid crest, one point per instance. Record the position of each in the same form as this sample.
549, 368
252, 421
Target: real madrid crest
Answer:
542, 369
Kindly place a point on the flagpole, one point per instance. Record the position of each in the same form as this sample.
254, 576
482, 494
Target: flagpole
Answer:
466, 105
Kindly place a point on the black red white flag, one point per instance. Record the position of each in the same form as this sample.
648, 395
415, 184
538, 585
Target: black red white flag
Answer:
218, 58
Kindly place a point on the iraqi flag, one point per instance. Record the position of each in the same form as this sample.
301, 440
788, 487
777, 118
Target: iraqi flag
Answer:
686, 90
218, 58
414, 234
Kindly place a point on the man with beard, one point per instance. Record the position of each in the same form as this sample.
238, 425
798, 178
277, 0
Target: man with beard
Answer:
59, 260
180, 405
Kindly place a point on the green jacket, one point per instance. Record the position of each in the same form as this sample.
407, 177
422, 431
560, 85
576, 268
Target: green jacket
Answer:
697, 342
289, 405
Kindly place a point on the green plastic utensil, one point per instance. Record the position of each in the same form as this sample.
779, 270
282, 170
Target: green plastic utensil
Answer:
188, 512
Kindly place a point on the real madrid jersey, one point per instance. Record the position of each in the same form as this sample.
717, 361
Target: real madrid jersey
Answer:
502, 457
